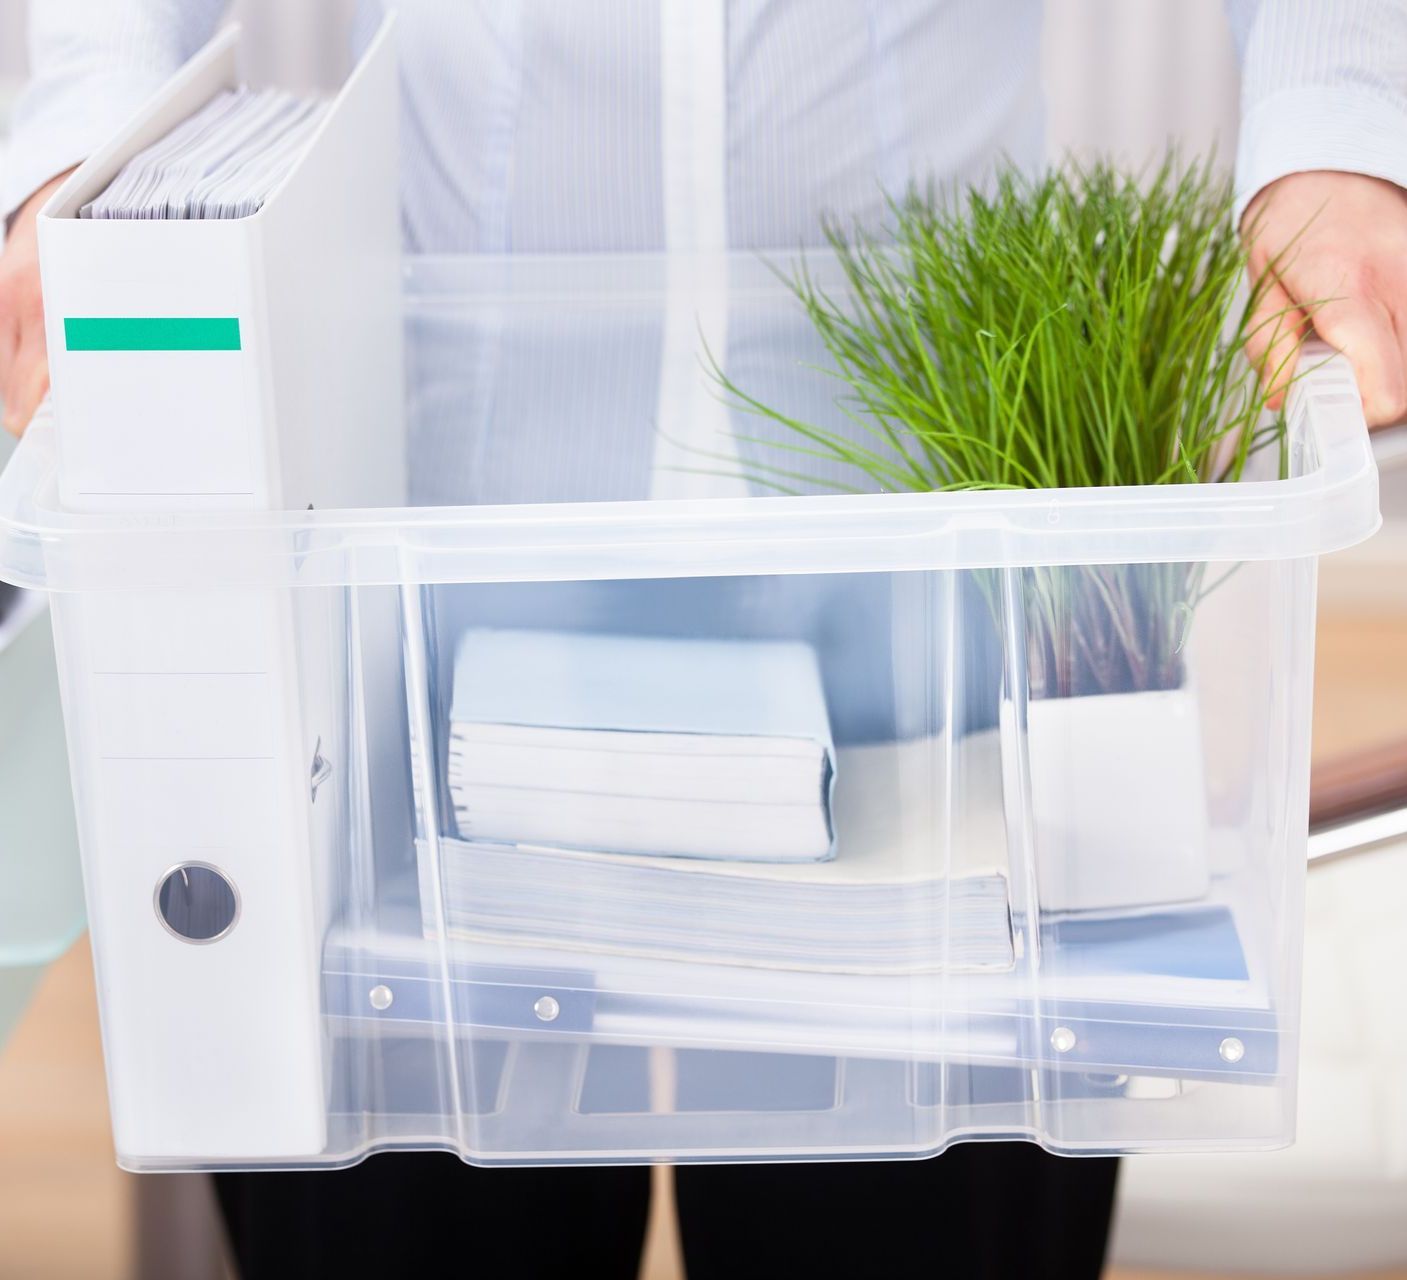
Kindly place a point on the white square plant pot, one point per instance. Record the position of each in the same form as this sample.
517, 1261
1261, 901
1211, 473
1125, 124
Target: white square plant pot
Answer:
1118, 800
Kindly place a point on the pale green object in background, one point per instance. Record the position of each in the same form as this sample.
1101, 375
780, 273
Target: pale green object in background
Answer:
41, 887
16, 986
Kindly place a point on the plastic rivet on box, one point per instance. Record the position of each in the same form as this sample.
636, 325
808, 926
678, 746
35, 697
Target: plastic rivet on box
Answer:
546, 1008
1231, 1050
1062, 1039
380, 997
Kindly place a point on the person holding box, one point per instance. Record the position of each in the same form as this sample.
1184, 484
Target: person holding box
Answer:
530, 127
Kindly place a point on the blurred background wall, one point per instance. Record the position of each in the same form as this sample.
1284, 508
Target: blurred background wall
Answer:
1122, 75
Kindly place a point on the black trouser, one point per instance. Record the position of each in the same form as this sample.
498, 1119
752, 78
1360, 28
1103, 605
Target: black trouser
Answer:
981, 1211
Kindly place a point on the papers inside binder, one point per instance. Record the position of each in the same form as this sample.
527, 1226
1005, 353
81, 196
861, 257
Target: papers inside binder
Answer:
222, 162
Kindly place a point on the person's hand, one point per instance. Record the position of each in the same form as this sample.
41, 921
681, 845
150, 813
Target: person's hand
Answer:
1335, 245
24, 366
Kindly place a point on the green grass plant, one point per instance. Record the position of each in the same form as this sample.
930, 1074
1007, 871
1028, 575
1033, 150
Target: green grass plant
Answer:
1082, 328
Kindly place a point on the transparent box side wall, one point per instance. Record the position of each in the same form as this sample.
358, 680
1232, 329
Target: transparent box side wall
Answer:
1163, 1025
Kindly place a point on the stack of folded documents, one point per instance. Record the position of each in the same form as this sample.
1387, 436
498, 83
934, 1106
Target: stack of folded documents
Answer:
912, 888
716, 749
222, 162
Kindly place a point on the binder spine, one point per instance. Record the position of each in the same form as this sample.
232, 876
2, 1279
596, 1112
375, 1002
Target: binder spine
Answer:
178, 714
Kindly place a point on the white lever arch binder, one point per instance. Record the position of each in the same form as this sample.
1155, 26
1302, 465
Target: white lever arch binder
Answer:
250, 362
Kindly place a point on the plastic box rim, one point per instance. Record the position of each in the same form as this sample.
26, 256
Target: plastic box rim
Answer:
1330, 501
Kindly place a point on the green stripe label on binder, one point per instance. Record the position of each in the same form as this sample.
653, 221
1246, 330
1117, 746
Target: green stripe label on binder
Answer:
151, 333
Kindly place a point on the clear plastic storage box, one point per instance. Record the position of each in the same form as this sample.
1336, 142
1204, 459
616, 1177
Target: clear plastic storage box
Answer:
1060, 777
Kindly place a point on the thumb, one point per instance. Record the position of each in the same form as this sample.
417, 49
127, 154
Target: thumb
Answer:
1362, 329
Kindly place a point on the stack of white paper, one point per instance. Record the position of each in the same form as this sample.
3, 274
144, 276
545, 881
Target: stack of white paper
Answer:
914, 887
222, 162
629, 744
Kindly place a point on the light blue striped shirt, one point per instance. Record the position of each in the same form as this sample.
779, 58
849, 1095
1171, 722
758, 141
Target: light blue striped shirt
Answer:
550, 125
536, 125
1323, 86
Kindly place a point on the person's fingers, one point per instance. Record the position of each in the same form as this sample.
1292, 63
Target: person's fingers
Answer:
9, 343
1276, 329
1396, 305
31, 382
1362, 329
25, 376
10, 372
9, 340
15, 309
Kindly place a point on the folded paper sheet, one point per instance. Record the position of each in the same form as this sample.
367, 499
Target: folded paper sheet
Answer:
635, 744
911, 888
